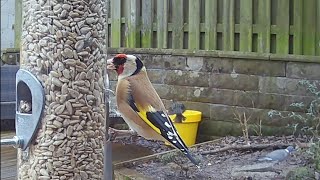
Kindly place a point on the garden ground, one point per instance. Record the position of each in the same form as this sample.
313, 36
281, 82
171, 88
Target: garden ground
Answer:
219, 163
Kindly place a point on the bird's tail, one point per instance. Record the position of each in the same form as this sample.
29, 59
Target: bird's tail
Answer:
264, 159
191, 158
184, 149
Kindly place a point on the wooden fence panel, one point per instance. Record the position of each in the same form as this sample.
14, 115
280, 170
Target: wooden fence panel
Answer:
309, 27
177, 24
132, 33
318, 29
194, 25
297, 24
211, 7
228, 25
282, 37
18, 23
246, 25
264, 26
147, 23
115, 23
283, 27
162, 23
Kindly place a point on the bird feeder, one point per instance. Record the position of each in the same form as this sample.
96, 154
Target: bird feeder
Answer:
61, 100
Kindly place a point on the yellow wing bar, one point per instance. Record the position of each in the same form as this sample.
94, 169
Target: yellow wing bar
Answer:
143, 114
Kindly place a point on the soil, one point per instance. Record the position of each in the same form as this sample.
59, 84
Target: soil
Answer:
231, 164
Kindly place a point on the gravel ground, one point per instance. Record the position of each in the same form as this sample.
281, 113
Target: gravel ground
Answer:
232, 164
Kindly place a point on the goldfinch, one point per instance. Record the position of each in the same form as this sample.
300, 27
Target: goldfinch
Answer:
140, 105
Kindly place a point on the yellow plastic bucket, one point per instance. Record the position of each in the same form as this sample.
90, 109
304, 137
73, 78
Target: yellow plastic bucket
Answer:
188, 128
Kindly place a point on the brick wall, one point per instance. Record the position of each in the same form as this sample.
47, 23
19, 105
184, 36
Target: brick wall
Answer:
222, 84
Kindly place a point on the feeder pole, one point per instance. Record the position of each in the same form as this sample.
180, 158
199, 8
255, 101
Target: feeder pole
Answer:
108, 166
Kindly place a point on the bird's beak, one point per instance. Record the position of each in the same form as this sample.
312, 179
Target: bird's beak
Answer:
110, 65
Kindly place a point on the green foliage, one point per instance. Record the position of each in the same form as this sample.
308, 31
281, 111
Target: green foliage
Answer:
309, 123
175, 160
170, 157
314, 152
300, 173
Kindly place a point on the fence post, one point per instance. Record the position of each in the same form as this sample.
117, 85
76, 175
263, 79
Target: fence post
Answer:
264, 26
282, 37
147, 23
246, 25
17, 23
133, 34
228, 25
211, 14
162, 23
194, 25
177, 24
115, 23
297, 24
309, 27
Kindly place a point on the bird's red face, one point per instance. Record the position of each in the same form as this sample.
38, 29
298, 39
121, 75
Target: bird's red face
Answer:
125, 64
117, 63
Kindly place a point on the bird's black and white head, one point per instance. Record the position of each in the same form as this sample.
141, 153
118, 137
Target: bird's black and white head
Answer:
126, 65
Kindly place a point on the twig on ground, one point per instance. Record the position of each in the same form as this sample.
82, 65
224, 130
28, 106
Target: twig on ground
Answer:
243, 121
246, 147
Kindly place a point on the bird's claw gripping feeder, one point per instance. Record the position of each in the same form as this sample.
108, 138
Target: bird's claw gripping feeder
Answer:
29, 107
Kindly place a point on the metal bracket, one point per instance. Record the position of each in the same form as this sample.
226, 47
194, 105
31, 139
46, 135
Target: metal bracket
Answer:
29, 108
